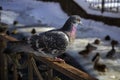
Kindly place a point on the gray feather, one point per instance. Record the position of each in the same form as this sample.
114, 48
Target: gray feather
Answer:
21, 46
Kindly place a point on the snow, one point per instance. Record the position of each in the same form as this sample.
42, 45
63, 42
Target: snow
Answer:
8, 18
30, 7
85, 6
54, 14
50, 14
113, 65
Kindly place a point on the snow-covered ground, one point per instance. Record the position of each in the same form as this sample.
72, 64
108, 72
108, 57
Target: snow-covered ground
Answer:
85, 6
28, 12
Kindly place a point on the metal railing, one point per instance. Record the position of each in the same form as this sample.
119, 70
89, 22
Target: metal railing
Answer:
105, 5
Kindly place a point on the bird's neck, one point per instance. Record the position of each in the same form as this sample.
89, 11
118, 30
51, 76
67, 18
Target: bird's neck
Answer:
73, 31
68, 26
70, 30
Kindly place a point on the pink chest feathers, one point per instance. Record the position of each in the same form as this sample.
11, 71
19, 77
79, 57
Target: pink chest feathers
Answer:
73, 33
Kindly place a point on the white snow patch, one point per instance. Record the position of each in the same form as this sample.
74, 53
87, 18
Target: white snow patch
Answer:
85, 6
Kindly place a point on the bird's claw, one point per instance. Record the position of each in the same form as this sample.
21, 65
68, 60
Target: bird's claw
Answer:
59, 60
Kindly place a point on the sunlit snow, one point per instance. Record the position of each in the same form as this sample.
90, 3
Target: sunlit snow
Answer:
28, 12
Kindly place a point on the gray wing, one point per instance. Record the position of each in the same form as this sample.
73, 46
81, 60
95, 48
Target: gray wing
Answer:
53, 43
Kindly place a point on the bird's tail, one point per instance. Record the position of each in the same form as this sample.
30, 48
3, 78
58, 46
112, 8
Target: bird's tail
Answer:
14, 47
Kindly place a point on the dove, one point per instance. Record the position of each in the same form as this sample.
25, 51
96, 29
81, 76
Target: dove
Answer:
51, 43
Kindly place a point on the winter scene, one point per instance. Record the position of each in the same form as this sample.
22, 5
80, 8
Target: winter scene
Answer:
59, 40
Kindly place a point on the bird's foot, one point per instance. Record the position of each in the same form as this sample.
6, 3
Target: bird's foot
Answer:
56, 59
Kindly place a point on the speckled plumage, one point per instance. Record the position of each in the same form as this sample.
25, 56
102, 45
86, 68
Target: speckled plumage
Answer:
50, 42
55, 42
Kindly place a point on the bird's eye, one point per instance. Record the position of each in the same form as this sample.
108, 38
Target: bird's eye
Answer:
78, 19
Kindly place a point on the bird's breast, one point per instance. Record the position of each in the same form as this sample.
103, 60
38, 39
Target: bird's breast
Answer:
72, 34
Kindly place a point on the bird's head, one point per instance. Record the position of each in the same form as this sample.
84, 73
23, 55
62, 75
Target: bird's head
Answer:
73, 21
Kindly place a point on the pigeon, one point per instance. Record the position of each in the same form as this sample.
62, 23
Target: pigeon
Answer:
50, 43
